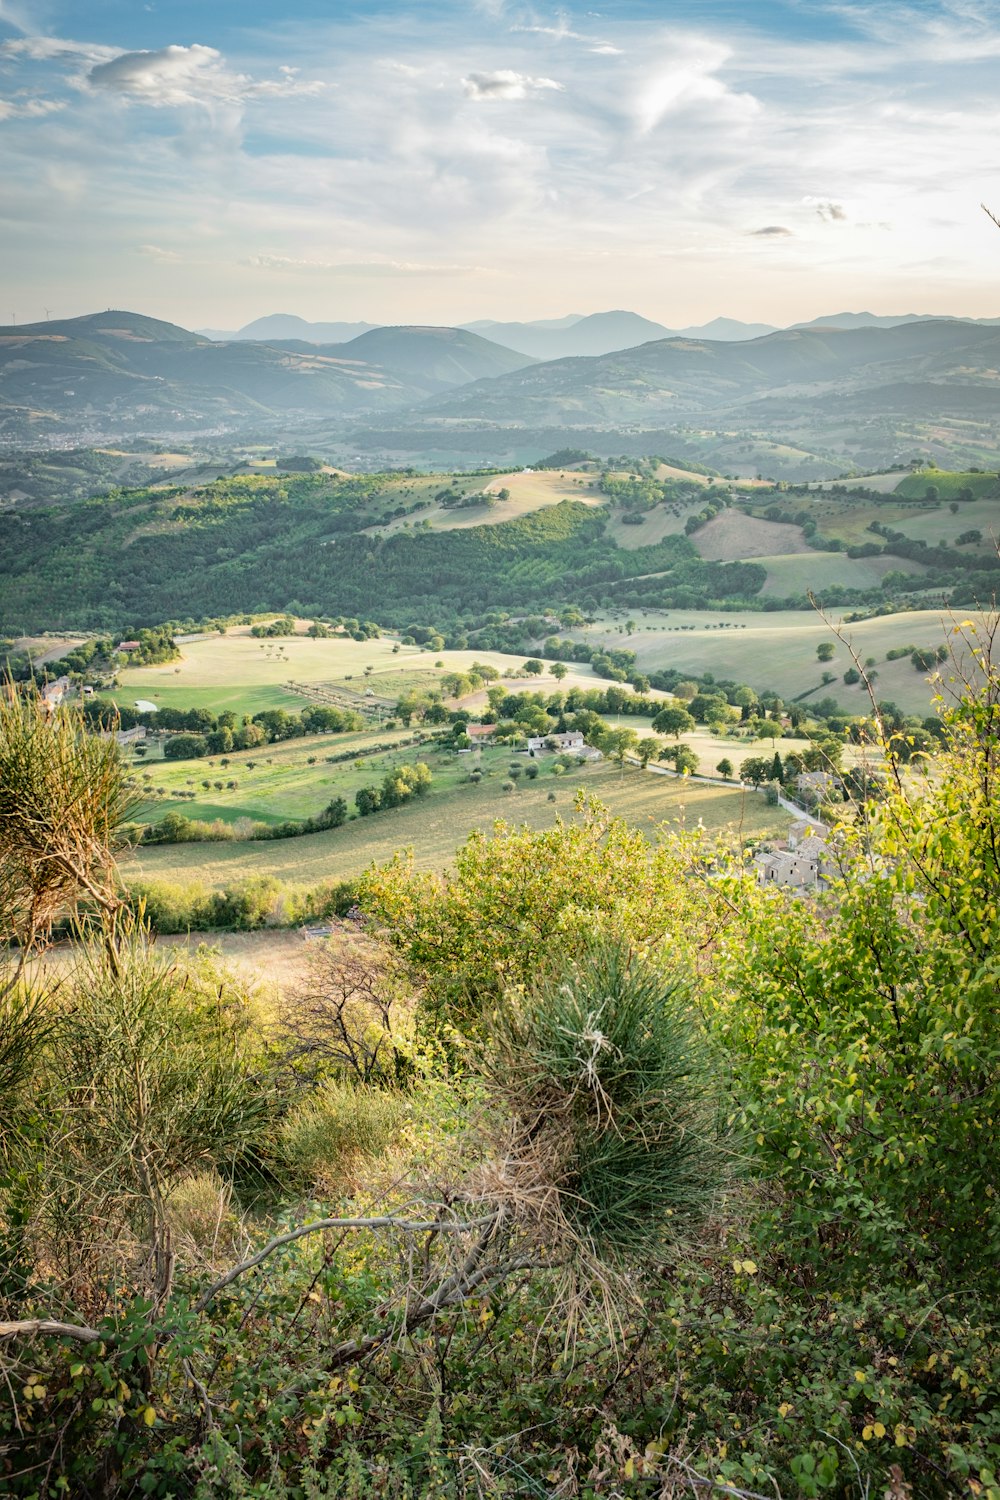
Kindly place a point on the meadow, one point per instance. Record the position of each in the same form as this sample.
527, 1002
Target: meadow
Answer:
529, 490
435, 825
239, 672
777, 650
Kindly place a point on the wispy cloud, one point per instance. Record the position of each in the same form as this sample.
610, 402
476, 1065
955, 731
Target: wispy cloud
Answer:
187, 75
306, 267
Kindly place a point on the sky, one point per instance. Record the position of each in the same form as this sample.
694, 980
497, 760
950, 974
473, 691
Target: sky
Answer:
439, 162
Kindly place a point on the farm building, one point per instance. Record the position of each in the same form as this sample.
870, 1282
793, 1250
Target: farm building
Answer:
786, 867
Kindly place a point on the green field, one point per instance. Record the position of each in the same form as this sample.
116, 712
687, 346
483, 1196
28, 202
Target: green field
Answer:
947, 483
777, 650
239, 672
436, 825
798, 572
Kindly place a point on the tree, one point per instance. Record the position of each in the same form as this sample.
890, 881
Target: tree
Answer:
534, 667
824, 651
725, 769
559, 670
685, 760
185, 747
755, 770
367, 799
647, 749
616, 744
675, 721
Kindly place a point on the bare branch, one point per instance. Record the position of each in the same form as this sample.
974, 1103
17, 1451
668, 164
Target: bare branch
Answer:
405, 1226
49, 1328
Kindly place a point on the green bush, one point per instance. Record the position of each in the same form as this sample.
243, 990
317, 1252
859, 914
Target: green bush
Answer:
326, 1137
608, 1072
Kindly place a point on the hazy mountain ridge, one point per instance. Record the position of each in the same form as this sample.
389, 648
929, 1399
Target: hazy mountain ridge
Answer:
575, 334
119, 370
674, 378
121, 373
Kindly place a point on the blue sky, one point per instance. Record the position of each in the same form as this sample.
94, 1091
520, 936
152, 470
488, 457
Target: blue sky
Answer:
437, 162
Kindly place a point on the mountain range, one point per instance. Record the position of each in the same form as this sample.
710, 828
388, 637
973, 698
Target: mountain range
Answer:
576, 334
118, 374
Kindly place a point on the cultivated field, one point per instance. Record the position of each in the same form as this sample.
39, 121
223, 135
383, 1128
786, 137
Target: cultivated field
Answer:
734, 536
530, 490
435, 825
777, 650
244, 674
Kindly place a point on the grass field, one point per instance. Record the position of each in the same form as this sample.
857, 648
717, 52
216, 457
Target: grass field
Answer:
777, 650
799, 572
272, 960
530, 490
436, 825
734, 536
940, 525
885, 484
246, 675
947, 483
654, 526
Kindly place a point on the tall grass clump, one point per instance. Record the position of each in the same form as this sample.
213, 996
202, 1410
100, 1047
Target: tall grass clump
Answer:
615, 1100
64, 798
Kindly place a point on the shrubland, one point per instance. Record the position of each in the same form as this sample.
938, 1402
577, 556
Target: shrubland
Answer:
589, 1167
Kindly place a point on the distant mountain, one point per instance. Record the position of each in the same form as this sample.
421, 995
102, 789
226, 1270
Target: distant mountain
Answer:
433, 358
672, 379
727, 330
284, 326
485, 325
600, 333
874, 320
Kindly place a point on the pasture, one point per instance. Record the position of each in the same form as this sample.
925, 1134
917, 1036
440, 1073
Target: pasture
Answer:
776, 650
530, 490
735, 536
239, 672
436, 825
799, 572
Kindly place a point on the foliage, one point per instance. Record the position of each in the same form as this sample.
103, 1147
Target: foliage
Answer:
64, 796
607, 1075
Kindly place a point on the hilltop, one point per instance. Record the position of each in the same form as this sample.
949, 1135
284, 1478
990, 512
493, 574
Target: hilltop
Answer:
119, 372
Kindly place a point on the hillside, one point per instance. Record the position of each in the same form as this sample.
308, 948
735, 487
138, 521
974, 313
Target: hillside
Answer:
433, 358
671, 379
115, 373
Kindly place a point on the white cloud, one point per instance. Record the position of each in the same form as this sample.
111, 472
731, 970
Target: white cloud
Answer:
156, 252
685, 82
29, 109
177, 76
505, 83
48, 48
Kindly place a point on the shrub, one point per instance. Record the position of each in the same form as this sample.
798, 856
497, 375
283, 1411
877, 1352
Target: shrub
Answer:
609, 1078
325, 1139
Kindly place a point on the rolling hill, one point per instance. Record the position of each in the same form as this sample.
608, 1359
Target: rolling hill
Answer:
118, 372
673, 379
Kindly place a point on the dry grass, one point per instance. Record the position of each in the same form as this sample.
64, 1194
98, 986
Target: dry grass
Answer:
733, 536
436, 825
